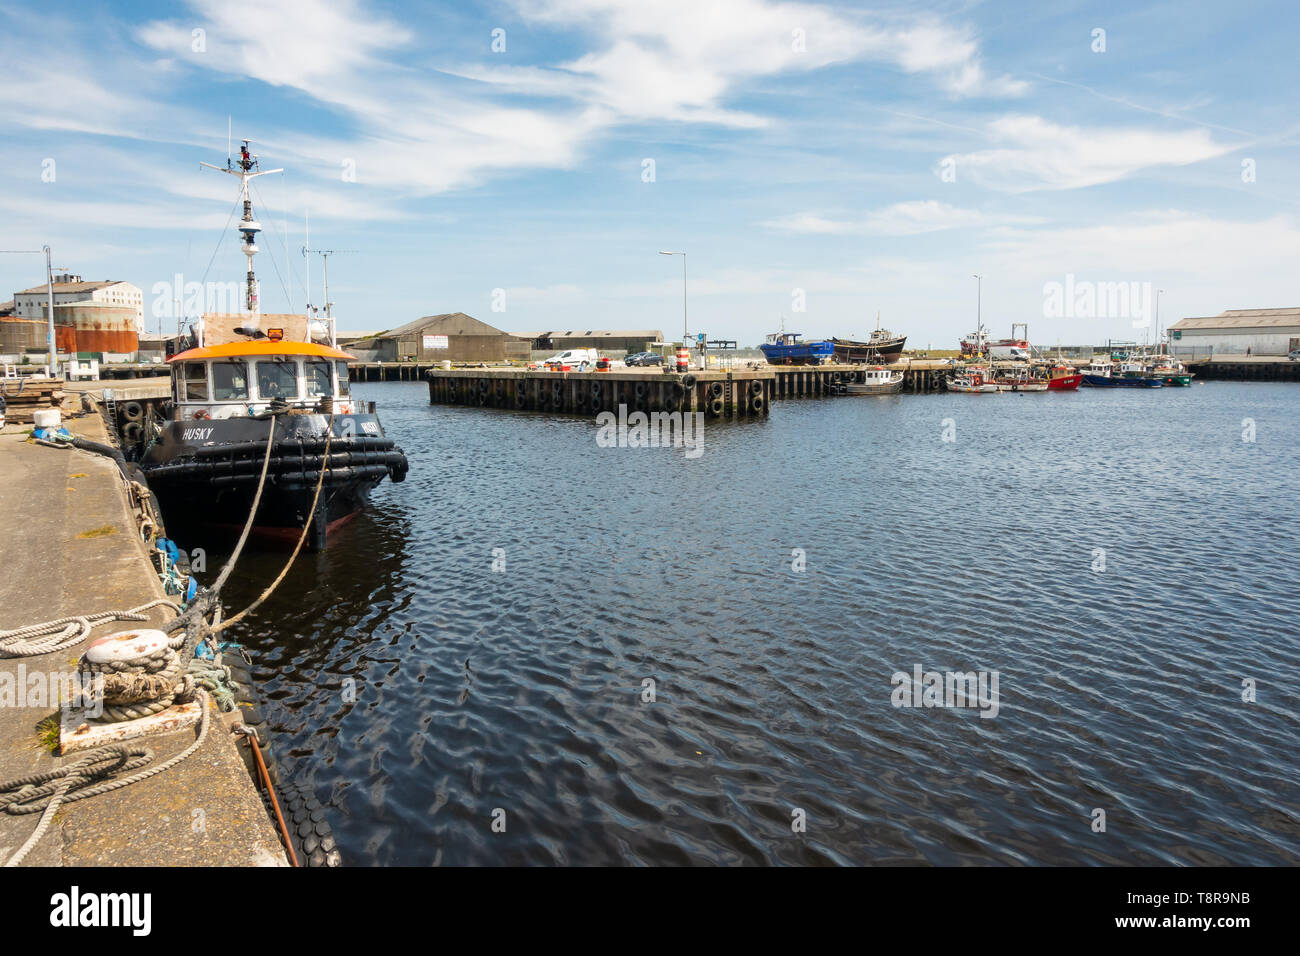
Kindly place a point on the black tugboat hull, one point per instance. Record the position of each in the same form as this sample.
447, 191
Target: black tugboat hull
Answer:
849, 352
205, 473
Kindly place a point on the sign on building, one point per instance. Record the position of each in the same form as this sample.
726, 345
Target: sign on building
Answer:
435, 342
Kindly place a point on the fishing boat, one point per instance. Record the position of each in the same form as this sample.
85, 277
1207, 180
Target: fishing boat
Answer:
876, 380
1063, 378
786, 348
1020, 378
882, 348
1101, 373
250, 378
1169, 370
975, 381
978, 342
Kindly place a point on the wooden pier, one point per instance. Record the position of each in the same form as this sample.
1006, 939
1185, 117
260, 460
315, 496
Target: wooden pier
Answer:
725, 393
741, 393
816, 381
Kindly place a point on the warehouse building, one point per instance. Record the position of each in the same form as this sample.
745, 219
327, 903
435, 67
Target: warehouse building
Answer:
452, 336
1257, 331
605, 340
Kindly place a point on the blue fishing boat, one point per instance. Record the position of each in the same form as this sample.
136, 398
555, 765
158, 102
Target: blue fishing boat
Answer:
1101, 374
784, 348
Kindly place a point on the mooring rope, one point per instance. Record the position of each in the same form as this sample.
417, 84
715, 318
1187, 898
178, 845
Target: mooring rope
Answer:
315, 501
36, 639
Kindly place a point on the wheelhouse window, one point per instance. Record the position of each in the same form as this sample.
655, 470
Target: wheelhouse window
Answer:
229, 381
277, 378
317, 374
196, 382
344, 388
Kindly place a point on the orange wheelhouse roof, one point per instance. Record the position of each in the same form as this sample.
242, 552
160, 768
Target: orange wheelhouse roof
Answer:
241, 349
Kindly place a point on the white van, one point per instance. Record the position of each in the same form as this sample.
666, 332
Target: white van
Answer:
580, 359
1005, 352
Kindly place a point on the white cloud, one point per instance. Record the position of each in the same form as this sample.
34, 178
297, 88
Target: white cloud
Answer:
680, 59
900, 219
1038, 154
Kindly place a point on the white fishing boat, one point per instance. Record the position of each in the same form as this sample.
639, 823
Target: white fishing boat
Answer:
876, 380
974, 381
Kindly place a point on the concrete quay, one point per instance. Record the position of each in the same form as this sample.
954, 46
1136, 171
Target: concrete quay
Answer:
70, 546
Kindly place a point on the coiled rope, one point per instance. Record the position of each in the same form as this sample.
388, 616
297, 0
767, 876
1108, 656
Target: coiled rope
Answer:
78, 780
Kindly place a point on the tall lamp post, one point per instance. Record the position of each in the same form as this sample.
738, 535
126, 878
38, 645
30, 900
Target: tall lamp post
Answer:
979, 322
53, 356
1158, 293
683, 255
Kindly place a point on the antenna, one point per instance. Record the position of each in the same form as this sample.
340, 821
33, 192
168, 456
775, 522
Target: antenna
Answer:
325, 270
247, 168
306, 251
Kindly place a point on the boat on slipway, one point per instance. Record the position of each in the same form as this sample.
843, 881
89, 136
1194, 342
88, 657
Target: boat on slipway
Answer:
250, 379
787, 348
882, 348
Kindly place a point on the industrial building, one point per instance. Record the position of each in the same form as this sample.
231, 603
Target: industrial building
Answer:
605, 340
452, 336
72, 289
1273, 332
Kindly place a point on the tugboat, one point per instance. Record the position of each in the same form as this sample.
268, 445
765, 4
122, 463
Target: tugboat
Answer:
784, 348
253, 377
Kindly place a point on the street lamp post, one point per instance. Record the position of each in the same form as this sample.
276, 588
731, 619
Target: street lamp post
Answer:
1158, 292
979, 322
53, 355
683, 255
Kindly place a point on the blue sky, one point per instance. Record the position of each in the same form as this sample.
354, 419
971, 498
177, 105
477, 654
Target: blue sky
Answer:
855, 158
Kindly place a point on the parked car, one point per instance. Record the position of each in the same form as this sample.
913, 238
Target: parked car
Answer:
644, 358
576, 358
1294, 355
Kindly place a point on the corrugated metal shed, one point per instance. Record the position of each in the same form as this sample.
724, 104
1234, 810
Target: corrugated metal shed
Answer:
1242, 319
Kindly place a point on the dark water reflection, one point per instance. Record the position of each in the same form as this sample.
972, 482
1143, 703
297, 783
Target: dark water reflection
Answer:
521, 690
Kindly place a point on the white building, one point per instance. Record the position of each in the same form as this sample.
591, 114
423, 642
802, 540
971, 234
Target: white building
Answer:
1261, 331
30, 303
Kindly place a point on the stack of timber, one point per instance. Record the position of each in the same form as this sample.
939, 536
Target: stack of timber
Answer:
24, 397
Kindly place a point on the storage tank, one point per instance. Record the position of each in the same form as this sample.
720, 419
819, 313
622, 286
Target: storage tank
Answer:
89, 326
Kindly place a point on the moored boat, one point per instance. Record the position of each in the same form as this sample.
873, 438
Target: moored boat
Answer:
787, 348
1103, 374
253, 379
1169, 370
973, 380
1063, 378
1020, 378
876, 380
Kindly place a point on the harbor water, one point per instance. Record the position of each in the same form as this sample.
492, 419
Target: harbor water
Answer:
463, 676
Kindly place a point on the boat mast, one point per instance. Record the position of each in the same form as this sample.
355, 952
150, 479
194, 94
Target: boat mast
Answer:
248, 227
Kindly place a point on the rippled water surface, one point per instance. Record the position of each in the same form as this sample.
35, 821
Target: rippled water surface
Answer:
521, 690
